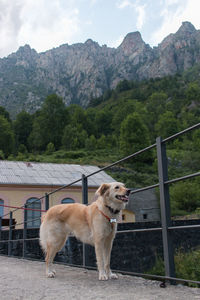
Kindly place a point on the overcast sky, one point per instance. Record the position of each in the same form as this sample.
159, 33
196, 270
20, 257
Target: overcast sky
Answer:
44, 24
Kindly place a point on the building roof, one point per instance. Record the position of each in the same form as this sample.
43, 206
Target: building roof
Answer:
31, 173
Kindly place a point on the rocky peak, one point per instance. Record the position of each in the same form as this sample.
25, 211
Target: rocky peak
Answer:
25, 51
80, 71
186, 28
24, 56
91, 44
131, 43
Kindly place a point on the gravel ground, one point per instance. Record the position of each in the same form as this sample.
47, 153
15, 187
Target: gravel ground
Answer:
25, 280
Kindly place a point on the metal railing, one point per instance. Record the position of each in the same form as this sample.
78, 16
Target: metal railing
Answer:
166, 223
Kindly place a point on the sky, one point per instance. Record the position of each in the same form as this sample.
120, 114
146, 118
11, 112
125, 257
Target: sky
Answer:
46, 24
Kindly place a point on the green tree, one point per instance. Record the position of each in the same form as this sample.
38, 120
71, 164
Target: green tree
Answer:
50, 148
185, 196
101, 142
196, 140
22, 128
103, 121
6, 136
36, 141
4, 113
134, 135
124, 109
73, 137
48, 125
91, 143
156, 105
167, 125
193, 92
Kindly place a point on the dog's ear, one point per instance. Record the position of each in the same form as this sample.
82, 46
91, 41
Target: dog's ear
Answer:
102, 189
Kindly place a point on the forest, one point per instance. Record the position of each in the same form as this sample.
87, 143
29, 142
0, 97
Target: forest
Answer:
119, 123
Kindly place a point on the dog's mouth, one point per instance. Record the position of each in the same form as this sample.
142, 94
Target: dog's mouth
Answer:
123, 198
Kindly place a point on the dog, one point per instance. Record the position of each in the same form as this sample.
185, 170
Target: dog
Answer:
94, 224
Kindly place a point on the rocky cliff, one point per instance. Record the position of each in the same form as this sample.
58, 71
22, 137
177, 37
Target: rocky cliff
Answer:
83, 71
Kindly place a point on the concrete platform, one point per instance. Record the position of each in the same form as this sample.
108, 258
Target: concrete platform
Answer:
25, 280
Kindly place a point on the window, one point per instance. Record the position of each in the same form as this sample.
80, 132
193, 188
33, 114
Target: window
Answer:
67, 201
145, 216
1, 208
33, 216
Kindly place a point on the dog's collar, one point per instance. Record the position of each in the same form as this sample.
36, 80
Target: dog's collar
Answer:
113, 211
109, 219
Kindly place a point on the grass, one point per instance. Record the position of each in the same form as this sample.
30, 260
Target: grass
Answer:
187, 266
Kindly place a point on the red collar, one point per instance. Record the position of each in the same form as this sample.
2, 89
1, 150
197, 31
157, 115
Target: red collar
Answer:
111, 221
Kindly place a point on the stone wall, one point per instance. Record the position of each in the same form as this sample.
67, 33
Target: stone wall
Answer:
134, 252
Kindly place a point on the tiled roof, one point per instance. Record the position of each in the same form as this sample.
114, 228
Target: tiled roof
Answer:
30, 173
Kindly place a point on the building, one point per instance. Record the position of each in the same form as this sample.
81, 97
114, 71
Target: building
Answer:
145, 206
27, 182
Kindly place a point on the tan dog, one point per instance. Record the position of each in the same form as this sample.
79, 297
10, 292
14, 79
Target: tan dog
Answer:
94, 224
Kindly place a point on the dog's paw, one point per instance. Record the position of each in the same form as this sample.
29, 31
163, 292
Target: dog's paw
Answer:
51, 274
103, 276
113, 276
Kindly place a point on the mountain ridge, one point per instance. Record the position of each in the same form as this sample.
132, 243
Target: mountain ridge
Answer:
82, 71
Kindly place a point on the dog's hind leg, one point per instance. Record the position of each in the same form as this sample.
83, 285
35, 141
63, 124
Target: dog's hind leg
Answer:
50, 254
52, 249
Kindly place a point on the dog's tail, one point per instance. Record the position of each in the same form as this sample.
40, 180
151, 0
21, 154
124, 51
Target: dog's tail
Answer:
42, 218
43, 235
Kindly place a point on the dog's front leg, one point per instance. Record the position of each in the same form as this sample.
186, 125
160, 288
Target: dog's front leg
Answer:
107, 254
99, 250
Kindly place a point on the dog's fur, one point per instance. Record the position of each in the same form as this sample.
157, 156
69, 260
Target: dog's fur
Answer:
90, 224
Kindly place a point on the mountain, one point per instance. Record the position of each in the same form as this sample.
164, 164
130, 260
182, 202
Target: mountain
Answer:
83, 71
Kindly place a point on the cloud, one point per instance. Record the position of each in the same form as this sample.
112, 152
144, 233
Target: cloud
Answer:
140, 9
10, 24
174, 12
137, 7
43, 24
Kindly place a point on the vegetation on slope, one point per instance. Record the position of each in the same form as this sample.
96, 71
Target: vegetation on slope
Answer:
115, 125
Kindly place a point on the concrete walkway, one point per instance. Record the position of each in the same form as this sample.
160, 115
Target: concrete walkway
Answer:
25, 280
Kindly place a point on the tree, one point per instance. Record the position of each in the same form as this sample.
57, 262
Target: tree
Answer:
103, 121
156, 106
6, 136
73, 138
22, 128
134, 135
36, 141
48, 125
167, 125
4, 113
193, 92
185, 196
101, 142
50, 149
91, 143
124, 109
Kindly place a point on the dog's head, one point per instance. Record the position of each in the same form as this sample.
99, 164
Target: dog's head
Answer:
114, 192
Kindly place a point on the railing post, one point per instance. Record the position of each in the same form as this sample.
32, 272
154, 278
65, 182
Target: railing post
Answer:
85, 201
46, 201
25, 231
165, 209
10, 235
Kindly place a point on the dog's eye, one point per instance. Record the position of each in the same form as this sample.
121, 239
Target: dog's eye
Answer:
117, 187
